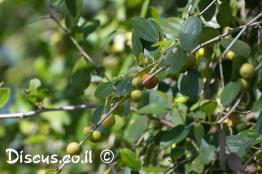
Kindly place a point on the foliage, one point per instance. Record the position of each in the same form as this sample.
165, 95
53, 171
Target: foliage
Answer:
198, 119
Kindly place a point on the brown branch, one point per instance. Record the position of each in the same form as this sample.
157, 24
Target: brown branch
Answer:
42, 110
231, 110
222, 36
81, 50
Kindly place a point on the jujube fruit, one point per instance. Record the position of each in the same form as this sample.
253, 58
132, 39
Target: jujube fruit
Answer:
247, 71
109, 121
180, 99
151, 83
120, 108
136, 82
96, 136
136, 95
244, 84
87, 129
73, 148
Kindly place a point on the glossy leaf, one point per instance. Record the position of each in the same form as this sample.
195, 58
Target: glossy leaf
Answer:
177, 60
145, 30
189, 86
207, 152
230, 93
129, 159
104, 90
174, 135
240, 47
190, 33
4, 96
210, 12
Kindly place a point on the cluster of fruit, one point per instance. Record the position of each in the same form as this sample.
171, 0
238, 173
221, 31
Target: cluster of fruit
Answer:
150, 81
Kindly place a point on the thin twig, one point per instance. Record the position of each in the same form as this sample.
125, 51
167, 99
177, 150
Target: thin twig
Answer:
203, 11
86, 56
231, 110
105, 116
42, 110
222, 36
230, 46
259, 66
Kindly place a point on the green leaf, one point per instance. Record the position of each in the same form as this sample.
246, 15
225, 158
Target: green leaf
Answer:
258, 126
224, 16
230, 93
256, 108
208, 33
132, 134
207, 152
174, 135
80, 78
154, 108
209, 108
73, 11
124, 86
199, 132
104, 90
238, 144
188, 85
34, 84
129, 159
171, 27
190, 33
51, 171
136, 44
4, 96
145, 30
100, 110
209, 13
195, 166
177, 60
240, 47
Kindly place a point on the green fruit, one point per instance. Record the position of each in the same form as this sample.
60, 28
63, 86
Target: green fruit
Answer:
73, 148
244, 84
180, 99
119, 109
136, 95
136, 82
87, 129
247, 71
109, 121
96, 136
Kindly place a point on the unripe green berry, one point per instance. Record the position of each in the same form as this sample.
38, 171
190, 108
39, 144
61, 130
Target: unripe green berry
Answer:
96, 136
136, 95
109, 121
73, 148
136, 82
247, 71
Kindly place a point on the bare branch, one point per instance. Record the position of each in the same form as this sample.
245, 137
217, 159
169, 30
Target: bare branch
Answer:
84, 54
231, 110
42, 110
203, 11
222, 36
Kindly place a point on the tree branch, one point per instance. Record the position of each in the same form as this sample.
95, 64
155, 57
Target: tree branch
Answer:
42, 110
231, 110
203, 11
81, 50
222, 36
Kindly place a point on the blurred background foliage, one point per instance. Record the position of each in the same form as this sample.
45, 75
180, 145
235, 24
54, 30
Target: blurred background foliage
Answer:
33, 46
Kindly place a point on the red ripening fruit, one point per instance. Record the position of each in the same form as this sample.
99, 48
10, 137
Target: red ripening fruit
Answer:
150, 83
